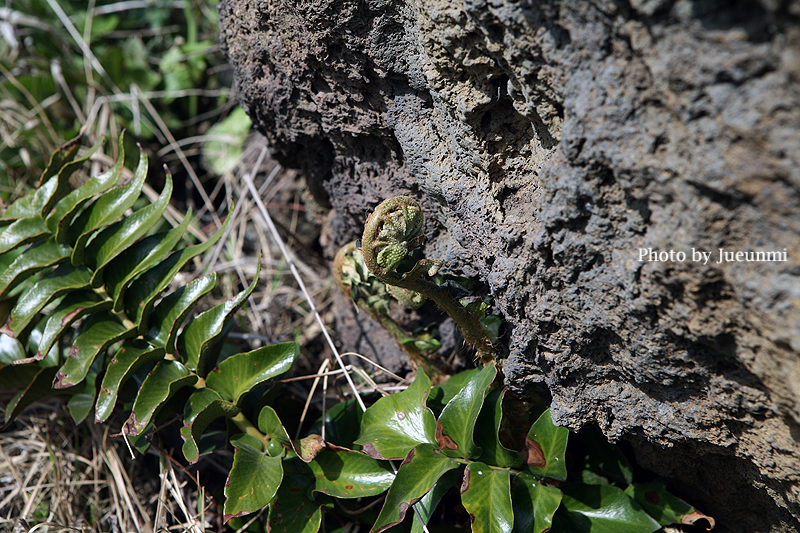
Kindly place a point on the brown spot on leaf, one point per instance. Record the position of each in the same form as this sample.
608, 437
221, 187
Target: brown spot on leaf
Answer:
349, 487
465, 482
73, 352
409, 457
444, 441
401, 415
651, 497
58, 383
695, 516
370, 450
113, 361
533, 454
310, 446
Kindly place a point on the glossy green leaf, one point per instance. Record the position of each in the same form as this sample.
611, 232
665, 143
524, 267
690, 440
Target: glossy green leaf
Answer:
170, 312
64, 279
395, 424
347, 474
63, 212
238, 374
545, 446
444, 392
165, 379
34, 259
80, 404
253, 480
418, 473
36, 385
97, 333
491, 416
423, 509
293, 511
200, 336
74, 306
203, 407
106, 210
11, 350
121, 272
457, 421
277, 439
604, 459
663, 506
534, 504
603, 509
486, 495
141, 295
121, 235
22, 231
127, 360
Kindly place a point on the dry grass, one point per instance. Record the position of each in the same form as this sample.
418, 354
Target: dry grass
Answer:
57, 477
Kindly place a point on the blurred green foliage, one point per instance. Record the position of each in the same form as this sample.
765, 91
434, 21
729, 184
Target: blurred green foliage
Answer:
151, 66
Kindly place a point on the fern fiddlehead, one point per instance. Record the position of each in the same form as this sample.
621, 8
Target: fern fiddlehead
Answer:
391, 232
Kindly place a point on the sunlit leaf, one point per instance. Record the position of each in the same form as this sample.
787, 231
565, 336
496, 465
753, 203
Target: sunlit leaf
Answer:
347, 474
97, 333
238, 374
457, 421
275, 436
65, 278
63, 212
34, 259
201, 335
74, 306
141, 295
545, 446
418, 473
143, 255
127, 360
22, 231
106, 210
486, 495
168, 315
253, 480
164, 380
113, 240
395, 424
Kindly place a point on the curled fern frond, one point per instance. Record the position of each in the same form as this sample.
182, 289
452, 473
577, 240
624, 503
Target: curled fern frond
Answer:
391, 232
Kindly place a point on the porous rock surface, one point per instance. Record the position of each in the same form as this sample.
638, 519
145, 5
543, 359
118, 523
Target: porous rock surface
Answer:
550, 142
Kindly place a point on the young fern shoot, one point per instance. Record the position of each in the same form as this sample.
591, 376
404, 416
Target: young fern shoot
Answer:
391, 232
